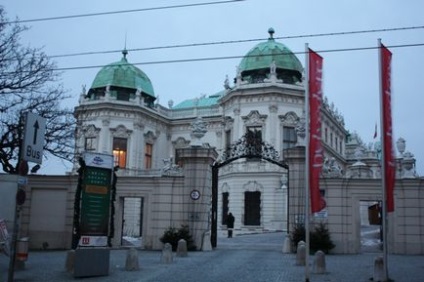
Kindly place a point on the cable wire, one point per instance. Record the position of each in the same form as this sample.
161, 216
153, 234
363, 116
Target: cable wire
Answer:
122, 11
239, 57
240, 41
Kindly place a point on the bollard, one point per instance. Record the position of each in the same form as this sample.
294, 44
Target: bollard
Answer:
206, 244
166, 254
301, 253
182, 248
379, 274
22, 249
319, 263
287, 245
131, 263
70, 261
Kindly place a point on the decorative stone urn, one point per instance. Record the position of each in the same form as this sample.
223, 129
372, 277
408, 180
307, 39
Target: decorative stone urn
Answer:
198, 130
400, 145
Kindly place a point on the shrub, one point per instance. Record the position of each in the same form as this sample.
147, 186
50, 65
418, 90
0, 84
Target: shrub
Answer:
172, 235
297, 235
319, 238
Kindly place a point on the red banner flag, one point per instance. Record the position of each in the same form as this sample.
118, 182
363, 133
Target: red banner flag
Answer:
316, 153
389, 159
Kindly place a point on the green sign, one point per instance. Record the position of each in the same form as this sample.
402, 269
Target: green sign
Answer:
95, 201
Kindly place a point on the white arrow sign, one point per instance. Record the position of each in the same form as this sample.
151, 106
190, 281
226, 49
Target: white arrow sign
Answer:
35, 128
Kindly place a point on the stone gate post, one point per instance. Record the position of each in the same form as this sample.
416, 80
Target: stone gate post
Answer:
295, 158
197, 161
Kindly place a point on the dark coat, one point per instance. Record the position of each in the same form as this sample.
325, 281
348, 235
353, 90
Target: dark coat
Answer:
230, 220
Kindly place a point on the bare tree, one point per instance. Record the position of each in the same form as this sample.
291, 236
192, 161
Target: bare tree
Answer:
29, 83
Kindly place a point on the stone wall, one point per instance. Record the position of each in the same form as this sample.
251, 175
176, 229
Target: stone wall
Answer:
343, 197
46, 217
167, 202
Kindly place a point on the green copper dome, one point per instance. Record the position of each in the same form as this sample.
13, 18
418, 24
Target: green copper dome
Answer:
125, 75
260, 58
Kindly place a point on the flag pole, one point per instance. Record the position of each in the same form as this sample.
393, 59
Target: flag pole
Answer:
383, 163
307, 114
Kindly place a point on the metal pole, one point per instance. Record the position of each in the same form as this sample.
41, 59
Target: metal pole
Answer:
306, 217
16, 216
13, 246
214, 231
288, 200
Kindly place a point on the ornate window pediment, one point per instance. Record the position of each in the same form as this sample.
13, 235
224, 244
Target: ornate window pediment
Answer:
253, 186
225, 188
91, 131
289, 119
121, 132
150, 137
181, 142
254, 118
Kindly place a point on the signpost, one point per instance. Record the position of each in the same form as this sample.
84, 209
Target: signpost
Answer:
32, 148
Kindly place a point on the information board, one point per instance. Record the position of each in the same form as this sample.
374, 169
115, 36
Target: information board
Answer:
95, 201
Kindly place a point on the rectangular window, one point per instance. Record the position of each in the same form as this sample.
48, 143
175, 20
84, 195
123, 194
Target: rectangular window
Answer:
227, 139
148, 152
255, 131
331, 140
122, 96
337, 143
254, 140
120, 152
177, 160
289, 137
90, 144
326, 135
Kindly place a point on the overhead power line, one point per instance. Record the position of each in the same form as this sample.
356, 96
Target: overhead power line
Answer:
239, 57
123, 11
240, 41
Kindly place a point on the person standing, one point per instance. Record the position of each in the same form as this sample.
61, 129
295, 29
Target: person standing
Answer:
230, 225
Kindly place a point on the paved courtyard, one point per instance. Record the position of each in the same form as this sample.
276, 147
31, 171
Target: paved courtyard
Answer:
242, 258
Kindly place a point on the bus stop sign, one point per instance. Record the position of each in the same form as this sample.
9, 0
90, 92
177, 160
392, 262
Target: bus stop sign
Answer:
35, 128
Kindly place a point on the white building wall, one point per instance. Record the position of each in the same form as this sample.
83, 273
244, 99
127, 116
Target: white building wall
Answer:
237, 178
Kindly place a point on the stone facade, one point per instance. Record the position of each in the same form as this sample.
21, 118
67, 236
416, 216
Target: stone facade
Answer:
168, 202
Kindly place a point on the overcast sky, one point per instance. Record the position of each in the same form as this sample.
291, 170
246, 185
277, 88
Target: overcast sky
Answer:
350, 77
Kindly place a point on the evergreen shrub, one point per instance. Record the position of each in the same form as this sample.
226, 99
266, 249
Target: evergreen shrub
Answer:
320, 238
172, 235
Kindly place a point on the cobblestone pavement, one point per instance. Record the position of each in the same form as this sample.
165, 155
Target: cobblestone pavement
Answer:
242, 258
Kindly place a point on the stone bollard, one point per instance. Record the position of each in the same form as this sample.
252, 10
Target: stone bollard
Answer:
182, 248
287, 245
319, 263
70, 261
131, 263
206, 244
301, 253
166, 254
379, 274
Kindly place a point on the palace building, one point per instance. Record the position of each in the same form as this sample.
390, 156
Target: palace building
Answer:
264, 102
119, 115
